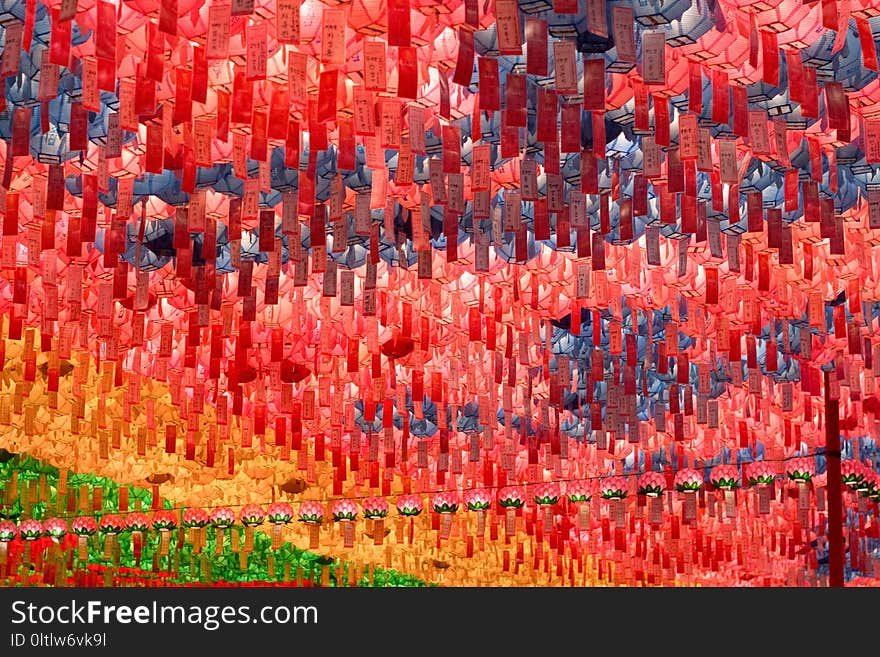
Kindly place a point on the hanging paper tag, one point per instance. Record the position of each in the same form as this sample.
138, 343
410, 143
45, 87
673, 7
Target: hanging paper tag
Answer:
654, 57
565, 66
596, 19
333, 37
507, 27
287, 21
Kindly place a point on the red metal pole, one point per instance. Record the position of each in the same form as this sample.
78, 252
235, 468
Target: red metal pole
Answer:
836, 555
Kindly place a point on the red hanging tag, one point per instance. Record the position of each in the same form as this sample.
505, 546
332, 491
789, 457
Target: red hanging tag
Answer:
279, 111
515, 101
287, 21
640, 195
836, 106
652, 158
599, 139
546, 110
445, 109
780, 139
333, 37
597, 21
795, 71
507, 27
720, 97
90, 208
259, 144
223, 106
155, 53
866, 40
623, 23
770, 58
399, 23
791, 190
565, 66
755, 212
79, 127
200, 75
810, 193
661, 120
570, 133
688, 136
727, 161
774, 228
668, 208
674, 172
829, 14
297, 79
688, 214
654, 57
451, 149
30, 13
594, 88
810, 104
154, 153
219, 21
242, 97
183, 96
327, 85
640, 96
695, 87
464, 65
759, 137
168, 17
740, 111
490, 91
625, 219
536, 47
815, 149
21, 133
733, 204
59, 39
589, 173
407, 72
256, 54
374, 66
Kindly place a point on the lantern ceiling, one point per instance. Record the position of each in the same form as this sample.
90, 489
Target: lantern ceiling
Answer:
575, 251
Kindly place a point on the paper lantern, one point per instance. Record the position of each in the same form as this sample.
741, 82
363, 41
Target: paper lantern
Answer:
613, 488
8, 532
196, 521
30, 530
579, 493
137, 523
446, 504
278, 514
511, 498
761, 474
84, 527
375, 510
852, 473
110, 526
55, 528
688, 480
652, 484
546, 496
478, 500
164, 522
345, 512
724, 477
312, 514
409, 505
800, 469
